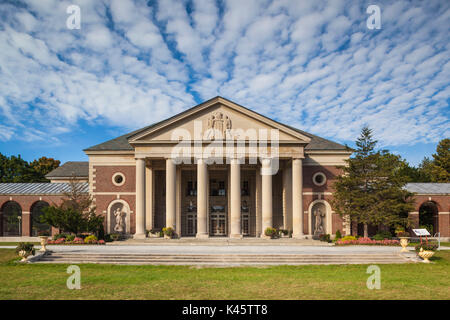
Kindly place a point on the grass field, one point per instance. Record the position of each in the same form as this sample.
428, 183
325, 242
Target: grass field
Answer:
44, 281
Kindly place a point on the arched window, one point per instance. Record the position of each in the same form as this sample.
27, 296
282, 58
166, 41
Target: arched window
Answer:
37, 227
11, 219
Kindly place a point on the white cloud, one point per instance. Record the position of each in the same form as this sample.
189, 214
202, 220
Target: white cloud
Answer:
311, 64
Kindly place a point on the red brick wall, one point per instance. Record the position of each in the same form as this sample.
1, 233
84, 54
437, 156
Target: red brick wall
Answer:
26, 202
103, 179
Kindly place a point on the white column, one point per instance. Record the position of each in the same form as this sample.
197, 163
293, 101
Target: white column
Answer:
149, 197
202, 198
287, 198
170, 193
266, 177
258, 203
297, 199
235, 198
140, 199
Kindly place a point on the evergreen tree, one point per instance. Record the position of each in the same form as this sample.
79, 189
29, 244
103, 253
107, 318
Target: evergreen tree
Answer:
440, 169
371, 189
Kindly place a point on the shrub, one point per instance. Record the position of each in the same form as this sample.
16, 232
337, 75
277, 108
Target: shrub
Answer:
325, 238
78, 240
270, 232
115, 236
90, 239
283, 232
427, 247
348, 238
168, 231
25, 246
367, 241
338, 234
59, 236
403, 234
381, 235
70, 237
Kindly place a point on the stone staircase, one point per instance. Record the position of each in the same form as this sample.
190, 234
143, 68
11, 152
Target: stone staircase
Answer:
225, 259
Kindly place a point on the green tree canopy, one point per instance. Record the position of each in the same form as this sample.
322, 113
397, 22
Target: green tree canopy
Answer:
76, 213
16, 169
370, 190
440, 169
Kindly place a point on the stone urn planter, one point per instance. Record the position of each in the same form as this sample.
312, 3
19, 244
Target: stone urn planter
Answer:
404, 243
44, 241
24, 255
425, 255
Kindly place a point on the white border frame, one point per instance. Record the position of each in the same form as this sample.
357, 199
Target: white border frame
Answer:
126, 207
328, 216
114, 177
319, 173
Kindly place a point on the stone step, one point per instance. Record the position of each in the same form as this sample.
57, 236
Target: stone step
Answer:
221, 259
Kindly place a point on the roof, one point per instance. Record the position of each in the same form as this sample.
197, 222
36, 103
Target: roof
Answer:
79, 169
39, 188
121, 143
428, 188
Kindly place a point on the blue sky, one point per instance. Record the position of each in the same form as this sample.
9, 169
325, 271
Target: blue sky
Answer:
311, 64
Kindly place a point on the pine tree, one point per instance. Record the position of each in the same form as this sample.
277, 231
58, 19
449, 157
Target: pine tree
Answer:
440, 169
371, 189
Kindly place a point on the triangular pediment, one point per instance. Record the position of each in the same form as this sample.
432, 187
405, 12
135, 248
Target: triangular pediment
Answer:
221, 115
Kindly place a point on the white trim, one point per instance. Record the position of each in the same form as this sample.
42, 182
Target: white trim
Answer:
225, 103
114, 193
443, 212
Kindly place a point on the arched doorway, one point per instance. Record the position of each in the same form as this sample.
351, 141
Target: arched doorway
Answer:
37, 227
11, 219
429, 217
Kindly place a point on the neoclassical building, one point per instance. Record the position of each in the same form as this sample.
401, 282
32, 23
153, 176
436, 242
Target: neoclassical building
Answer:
215, 170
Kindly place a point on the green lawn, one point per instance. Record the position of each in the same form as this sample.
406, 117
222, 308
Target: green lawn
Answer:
43, 281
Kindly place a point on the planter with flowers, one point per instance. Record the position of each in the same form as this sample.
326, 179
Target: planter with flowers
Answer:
168, 233
272, 233
426, 251
24, 250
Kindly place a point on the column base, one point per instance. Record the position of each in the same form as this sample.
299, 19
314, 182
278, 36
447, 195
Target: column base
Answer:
236, 236
139, 236
299, 236
202, 236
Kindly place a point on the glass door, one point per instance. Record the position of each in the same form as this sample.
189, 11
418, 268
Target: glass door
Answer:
218, 221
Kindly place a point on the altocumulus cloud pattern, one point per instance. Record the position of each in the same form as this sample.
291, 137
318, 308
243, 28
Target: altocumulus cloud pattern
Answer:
312, 64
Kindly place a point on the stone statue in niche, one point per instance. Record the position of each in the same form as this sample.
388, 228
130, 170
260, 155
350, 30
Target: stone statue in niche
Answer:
119, 215
319, 225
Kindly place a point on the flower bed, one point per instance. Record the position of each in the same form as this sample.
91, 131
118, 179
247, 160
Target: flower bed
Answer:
76, 240
368, 241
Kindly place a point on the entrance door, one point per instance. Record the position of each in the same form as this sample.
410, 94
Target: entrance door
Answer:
218, 221
218, 203
191, 224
